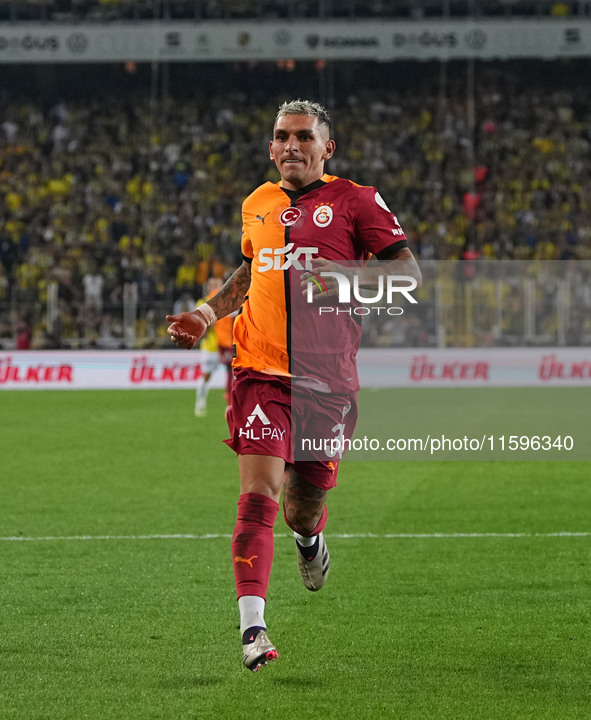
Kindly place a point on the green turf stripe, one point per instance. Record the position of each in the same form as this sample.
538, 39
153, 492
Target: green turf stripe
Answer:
338, 536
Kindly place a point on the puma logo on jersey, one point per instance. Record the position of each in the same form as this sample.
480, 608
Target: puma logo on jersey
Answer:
248, 561
262, 218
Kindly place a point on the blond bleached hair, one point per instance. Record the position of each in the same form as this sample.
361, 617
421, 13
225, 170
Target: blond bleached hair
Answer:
305, 107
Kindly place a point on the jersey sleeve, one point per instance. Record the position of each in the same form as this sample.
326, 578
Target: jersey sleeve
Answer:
246, 244
376, 226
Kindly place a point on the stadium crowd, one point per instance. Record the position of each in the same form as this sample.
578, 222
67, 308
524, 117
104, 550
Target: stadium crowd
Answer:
99, 194
112, 10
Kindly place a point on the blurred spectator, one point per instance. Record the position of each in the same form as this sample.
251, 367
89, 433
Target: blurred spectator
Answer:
110, 10
23, 336
93, 282
185, 303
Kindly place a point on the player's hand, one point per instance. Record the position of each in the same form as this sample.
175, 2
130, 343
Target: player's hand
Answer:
186, 328
323, 286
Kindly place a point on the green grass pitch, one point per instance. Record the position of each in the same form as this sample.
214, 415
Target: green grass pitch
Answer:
108, 622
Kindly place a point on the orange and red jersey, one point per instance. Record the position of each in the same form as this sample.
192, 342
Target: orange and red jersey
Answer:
223, 331
277, 331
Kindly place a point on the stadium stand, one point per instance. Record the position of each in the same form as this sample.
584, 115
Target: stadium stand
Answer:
114, 192
112, 10
101, 195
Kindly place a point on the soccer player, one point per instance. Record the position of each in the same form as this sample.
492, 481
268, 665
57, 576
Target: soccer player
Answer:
284, 385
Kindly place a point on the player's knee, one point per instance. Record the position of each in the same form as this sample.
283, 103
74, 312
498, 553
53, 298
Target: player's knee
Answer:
301, 520
261, 475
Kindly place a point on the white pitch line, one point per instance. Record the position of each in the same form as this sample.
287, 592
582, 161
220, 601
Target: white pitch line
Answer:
339, 536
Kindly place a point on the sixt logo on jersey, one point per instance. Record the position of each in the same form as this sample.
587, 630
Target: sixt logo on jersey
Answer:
285, 257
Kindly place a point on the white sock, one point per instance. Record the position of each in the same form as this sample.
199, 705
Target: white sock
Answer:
202, 391
205, 390
305, 541
200, 384
252, 612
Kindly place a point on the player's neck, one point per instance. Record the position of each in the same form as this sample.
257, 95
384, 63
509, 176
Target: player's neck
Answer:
296, 192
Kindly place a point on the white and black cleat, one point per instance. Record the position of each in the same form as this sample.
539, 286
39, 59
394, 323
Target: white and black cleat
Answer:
258, 650
314, 564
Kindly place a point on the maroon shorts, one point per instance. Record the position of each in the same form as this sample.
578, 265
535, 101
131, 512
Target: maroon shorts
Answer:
271, 415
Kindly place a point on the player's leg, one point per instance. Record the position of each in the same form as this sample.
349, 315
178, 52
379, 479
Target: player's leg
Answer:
258, 402
305, 511
307, 482
209, 362
201, 396
304, 504
261, 477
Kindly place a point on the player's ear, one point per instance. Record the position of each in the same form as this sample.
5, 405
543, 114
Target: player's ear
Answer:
271, 150
330, 148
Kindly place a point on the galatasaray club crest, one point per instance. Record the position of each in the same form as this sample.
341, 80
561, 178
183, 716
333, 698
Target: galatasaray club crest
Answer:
323, 215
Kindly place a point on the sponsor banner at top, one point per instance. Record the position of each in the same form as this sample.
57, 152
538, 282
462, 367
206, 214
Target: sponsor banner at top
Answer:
382, 40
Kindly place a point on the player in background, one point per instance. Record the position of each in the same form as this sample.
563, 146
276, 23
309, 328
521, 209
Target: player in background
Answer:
216, 349
328, 220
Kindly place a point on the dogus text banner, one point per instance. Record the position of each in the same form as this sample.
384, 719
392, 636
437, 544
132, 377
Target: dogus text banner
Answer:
382, 40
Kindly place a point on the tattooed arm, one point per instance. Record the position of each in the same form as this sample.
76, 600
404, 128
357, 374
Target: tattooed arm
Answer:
231, 295
187, 328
